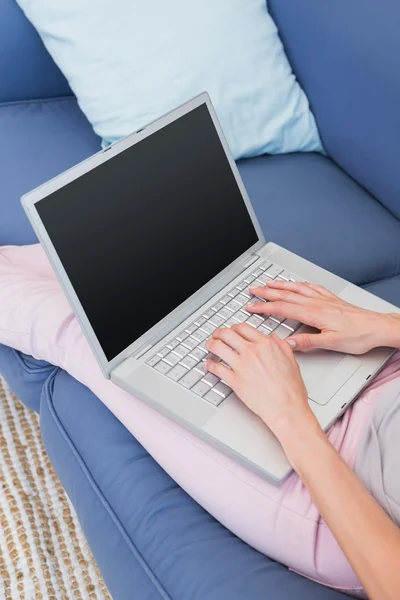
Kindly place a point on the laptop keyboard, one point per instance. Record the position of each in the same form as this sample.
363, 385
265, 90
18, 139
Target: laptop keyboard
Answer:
183, 358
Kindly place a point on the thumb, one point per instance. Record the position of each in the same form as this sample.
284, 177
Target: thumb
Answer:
306, 341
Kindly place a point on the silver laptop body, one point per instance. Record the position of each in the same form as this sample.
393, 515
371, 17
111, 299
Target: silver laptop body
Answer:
148, 298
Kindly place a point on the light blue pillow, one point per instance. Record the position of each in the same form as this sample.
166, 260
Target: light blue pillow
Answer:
130, 61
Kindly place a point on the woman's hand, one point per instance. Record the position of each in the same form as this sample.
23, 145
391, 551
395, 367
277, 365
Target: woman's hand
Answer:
343, 327
263, 373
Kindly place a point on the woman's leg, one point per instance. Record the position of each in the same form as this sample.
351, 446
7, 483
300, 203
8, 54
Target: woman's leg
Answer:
280, 521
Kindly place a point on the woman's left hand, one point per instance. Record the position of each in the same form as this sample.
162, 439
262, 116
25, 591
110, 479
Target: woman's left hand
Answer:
263, 373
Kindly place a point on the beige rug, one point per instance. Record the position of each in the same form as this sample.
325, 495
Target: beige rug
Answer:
43, 553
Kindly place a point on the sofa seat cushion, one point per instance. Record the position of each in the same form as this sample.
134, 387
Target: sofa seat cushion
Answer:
307, 204
39, 140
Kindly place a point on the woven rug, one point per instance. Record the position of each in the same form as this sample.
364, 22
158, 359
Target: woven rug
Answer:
43, 553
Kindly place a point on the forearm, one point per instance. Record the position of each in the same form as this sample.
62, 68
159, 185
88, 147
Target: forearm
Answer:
368, 537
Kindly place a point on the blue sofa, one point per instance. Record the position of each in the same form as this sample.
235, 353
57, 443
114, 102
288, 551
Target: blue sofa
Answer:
342, 211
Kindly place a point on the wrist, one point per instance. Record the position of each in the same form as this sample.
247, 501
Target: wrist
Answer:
388, 333
296, 433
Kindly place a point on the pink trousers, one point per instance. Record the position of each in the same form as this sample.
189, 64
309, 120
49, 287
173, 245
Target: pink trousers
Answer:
281, 522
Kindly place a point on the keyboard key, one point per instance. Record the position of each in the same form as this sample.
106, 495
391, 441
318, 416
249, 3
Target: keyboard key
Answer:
182, 336
277, 319
255, 321
285, 275
209, 313
282, 332
182, 350
200, 335
177, 372
208, 327
222, 389
163, 367
291, 324
172, 359
191, 378
266, 265
274, 271
190, 343
234, 292
233, 305
249, 278
242, 299
153, 360
258, 272
213, 398
226, 299
225, 312
264, 330
231, 322
240, 316
218, 306
263, 278
211, 379
189, 361
198, 353
163, 352
201, 388
202, 367
270, 324
199, 322
191, 328
217, 320
173, 344
242, 285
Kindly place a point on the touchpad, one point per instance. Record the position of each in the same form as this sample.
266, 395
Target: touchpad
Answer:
325, 372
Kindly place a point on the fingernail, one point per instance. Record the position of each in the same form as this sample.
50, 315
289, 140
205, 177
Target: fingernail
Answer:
252, 288
270, 282
292, 343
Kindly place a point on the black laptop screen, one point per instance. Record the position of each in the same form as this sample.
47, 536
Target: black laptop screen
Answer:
142, 232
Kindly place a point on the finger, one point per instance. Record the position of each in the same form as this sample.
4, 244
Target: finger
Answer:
221, 371
247, 332
302, 288
321, 290
219, 348
286, 310
304, 342
229, 337
273, 295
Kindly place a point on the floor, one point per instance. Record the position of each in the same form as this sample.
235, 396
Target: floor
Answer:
43, 552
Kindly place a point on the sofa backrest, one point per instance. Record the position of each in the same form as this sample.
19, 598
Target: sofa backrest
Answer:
346, 55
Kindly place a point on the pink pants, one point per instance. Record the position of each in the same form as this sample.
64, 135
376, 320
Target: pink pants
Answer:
281, 522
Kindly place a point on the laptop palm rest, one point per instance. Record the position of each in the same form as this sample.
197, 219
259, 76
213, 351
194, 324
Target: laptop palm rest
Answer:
325, 372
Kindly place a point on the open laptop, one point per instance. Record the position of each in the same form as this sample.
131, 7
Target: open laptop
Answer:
155, 242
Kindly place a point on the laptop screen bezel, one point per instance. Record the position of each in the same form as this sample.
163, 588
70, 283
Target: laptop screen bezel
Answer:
192, 303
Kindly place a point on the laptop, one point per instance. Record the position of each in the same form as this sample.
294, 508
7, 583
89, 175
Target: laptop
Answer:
155, 243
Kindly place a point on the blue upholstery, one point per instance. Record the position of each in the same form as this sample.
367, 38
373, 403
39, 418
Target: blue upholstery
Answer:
388, 289
308, 205
26, 69
346, 56
40, 139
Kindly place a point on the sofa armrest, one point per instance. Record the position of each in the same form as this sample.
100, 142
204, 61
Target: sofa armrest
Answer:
26, 69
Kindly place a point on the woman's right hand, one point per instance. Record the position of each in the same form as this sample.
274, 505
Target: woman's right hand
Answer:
343, 326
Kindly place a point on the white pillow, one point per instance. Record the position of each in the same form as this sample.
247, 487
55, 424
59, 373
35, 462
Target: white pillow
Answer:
130, 61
